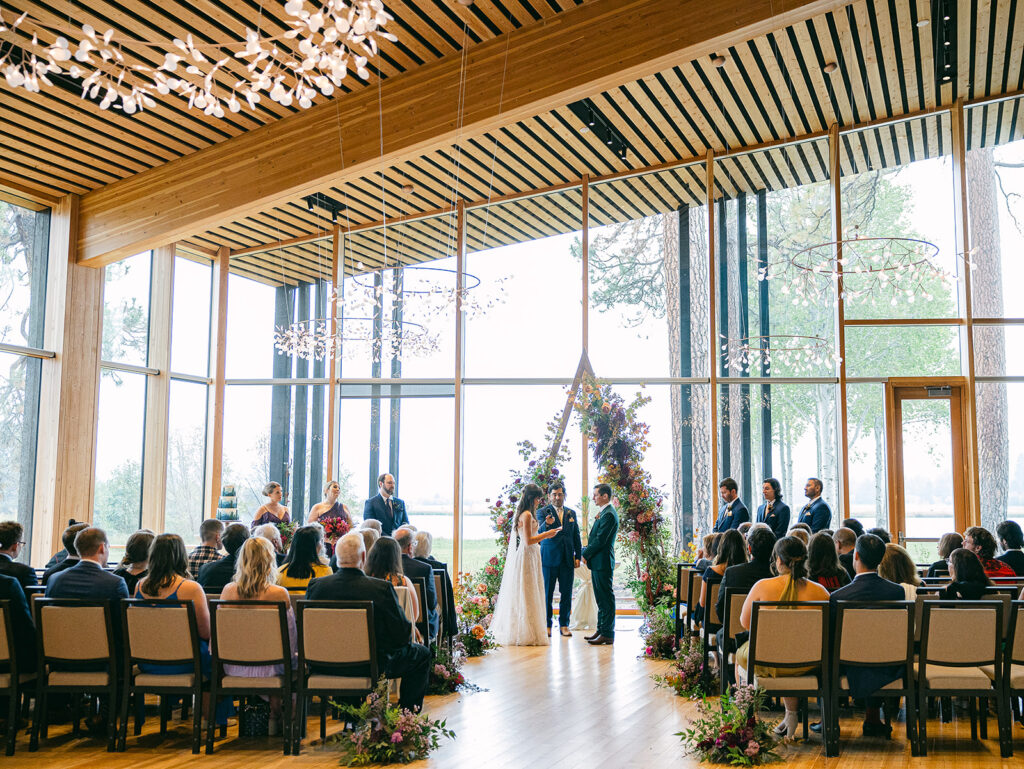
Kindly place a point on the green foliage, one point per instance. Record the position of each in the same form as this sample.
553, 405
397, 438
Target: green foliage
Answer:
685, 676
732, 733
118, 504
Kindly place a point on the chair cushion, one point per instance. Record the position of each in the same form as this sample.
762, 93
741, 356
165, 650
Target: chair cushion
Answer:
797, 683
944, 677
1016, 675
152, 679
844, 683
339, 683
5, 679
72, 678
241, 682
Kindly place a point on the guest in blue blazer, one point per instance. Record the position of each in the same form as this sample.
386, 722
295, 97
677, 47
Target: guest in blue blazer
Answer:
21, 623
816, 513
386, 507
773, 511
868, 586
87, 578
560, 555
733, 512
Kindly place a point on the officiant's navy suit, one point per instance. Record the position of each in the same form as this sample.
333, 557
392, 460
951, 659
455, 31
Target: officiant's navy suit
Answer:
558, 557
777, 518
731, 515
816, 514
390, 519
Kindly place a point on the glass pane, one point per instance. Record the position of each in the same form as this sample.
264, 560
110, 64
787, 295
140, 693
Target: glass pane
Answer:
897, 182
190, 317
1000, 408
995, 188
126, 310
869, 485
533, 246
927, 468
19, 421
23, 253
120, 431
250, 348
873, 351
247, 446
186, 459
997, 350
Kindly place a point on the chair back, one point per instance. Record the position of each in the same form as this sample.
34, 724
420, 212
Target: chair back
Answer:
336, 634
734, 598
692, 579
783, 636
6, 635
250, 633
869, 633
961, 633
1006, 595
439, 591
160, 632
711, 604
73, 630
420, 583
405, 600
1015, 644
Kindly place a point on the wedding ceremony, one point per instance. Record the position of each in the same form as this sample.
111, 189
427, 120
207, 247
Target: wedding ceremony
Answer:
606, 383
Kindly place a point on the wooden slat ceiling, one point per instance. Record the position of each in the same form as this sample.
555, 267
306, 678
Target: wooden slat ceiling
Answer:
771, 88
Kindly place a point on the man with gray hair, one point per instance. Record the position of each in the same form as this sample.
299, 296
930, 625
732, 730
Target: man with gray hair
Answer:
392, 631
371, 523
422, 543
272, 534
414, 569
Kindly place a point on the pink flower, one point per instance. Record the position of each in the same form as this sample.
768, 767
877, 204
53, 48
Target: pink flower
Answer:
458, 610
752, 748
490, 570
396, 737
645, 576
501, 520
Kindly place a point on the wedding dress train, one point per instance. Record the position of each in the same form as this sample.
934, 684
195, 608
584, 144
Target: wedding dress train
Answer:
520, 614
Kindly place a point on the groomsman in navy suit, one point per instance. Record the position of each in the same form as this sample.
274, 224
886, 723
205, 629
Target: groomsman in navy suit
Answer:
773, 511
560, 555
733, 512
386, 507
816, 513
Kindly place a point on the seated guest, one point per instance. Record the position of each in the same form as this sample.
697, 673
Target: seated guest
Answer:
12, 536
370, 536
272, 534
305, 559
68, 539
816, 513
256, 573
86, 577
136, 559
869, 586
372, 523
168, 580
423, 542
1011, 540
773, 511
881, 533
853, 523
399, 658
705, 553
384, 561
823, 564
733, 512
947, 545
792, 584
743, 576
272, 512
412, 569
743, 528
732, 550
897, 566
210, 532
845, 539
980, 541
800, 533
969, 580
216, 574
61, 554
21, 622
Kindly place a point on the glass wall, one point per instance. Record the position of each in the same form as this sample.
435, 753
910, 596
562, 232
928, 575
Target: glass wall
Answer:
120, 429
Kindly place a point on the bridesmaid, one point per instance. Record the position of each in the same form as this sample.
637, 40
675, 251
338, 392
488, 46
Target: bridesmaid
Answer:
272, 512
331, 507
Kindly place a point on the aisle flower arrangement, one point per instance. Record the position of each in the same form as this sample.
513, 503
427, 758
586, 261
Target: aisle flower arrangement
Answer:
446, 675
474, 600
386, 734
728, 730
659, 633
685, 675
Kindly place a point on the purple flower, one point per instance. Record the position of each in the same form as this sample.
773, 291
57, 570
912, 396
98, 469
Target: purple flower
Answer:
554, 471
396, 737
533, 462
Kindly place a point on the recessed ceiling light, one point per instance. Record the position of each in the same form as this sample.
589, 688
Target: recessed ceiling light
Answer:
830, 68
945, 77
923, 23
945, 18
946, 43
584, 129
718, 61
464, 2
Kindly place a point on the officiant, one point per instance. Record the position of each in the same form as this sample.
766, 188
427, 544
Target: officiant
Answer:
560, 555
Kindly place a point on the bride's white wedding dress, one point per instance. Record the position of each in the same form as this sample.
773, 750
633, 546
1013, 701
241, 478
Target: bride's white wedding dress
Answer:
520, 614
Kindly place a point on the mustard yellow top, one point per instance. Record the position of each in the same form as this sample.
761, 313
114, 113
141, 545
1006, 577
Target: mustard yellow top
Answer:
319, 570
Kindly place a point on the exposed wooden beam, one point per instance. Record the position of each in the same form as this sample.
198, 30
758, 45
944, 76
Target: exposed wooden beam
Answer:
587, 50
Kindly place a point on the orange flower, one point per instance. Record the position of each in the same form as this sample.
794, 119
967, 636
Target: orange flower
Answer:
477, 631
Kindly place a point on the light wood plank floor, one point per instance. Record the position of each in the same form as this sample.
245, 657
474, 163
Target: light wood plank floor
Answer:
569, 705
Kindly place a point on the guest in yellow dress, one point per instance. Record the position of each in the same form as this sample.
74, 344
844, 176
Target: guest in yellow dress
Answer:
305, 559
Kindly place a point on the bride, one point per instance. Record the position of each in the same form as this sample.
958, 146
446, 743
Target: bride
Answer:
520, 614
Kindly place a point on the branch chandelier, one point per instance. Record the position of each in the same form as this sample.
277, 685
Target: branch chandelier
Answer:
330, 39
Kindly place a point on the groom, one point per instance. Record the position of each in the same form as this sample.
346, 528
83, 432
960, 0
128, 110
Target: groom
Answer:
559, 555
599, 555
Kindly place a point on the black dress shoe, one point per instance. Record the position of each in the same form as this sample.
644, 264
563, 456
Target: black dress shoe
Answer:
591, 637
600, 640
877, 729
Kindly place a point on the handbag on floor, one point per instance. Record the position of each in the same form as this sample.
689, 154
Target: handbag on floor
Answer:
254, 718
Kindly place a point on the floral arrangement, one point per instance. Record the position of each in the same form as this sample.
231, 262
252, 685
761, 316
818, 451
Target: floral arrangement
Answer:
474, 602
619, 440
689, 551
659, 633
686, 674
287, 532
387, 734
446, 674
732, 733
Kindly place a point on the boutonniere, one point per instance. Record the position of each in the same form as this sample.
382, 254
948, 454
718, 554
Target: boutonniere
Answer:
570, 518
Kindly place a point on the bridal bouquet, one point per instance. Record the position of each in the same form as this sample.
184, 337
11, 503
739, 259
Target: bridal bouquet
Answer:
686, 675
387, 734
732, 733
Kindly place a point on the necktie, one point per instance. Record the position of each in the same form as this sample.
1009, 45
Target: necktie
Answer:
391, 510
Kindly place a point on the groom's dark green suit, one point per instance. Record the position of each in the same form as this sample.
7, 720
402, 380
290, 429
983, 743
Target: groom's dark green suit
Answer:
600, 557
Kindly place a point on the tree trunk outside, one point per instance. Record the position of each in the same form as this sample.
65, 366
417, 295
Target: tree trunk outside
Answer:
670, 271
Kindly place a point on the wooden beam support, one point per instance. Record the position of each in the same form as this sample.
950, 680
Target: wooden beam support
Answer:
460, 357
337, 275
842, 413
583, 51
218, 365
714, 344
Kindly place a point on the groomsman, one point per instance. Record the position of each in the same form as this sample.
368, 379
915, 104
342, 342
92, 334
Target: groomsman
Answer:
560, 555
733, 512
599, 555
386, 507
773, 511
816, 513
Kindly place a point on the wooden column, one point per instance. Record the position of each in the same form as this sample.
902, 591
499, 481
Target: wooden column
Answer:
842, 414
158, 390
460, 354
585, 266
963, 245
69, 397
337, 276
713, 343
218, 364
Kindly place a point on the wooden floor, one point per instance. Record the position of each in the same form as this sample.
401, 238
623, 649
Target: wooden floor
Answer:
568, 705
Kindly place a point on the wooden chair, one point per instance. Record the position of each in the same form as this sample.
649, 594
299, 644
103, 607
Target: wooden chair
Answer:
709, 626
12, 680
77, 655
784, 637
692, 578
734, 598
867, 634
160, 632
1013, 658
958, 640
255, 634
337, 655
422, 621
442, 605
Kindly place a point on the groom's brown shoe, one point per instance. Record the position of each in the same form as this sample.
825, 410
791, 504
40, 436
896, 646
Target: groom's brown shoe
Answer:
549, 632
600, 640
591, 637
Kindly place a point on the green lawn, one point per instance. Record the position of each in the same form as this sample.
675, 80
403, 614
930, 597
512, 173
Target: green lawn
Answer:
475, 552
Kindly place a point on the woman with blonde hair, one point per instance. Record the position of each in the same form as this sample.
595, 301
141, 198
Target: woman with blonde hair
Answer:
272, 512
256, 580
897, 566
